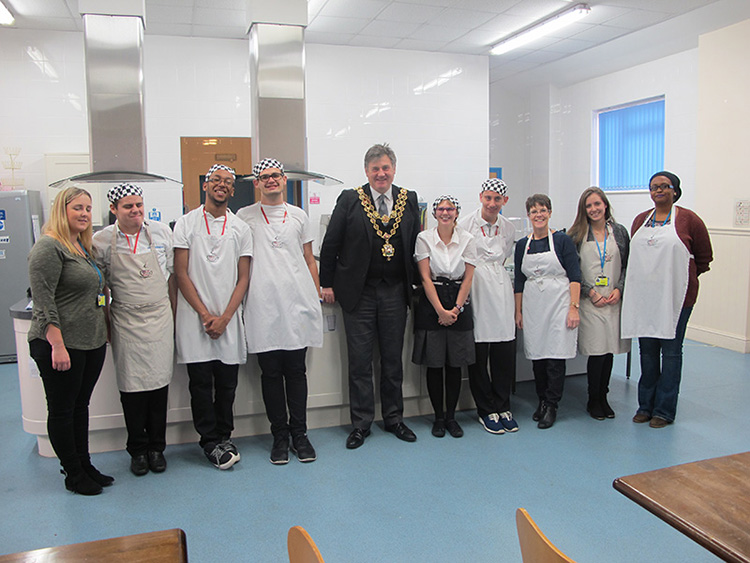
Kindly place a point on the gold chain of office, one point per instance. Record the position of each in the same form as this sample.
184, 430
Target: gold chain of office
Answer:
398, 211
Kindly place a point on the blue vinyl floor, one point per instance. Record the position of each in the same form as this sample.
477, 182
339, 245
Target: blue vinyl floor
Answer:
436, 500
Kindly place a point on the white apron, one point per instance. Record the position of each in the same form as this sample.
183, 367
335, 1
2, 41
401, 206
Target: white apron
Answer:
283, 309
492, 290
656, 281
599, 330
141, 324
546, 301
212, 268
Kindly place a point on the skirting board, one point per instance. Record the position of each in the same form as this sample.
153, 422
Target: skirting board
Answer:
733, 342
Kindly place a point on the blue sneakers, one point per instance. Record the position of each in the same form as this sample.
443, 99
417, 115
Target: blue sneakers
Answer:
508, 422
492, 424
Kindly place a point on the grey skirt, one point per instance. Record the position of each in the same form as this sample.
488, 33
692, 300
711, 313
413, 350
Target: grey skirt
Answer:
443, 347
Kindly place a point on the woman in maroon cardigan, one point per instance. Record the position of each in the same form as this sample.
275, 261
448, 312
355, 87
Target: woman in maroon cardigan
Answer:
669, 249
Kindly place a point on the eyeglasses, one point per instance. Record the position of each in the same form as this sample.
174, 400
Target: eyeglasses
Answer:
542, 211
228, 182
660, 187
265, 177
445, 209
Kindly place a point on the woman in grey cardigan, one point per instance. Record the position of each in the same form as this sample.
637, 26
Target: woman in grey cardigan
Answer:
68, 333
603, 248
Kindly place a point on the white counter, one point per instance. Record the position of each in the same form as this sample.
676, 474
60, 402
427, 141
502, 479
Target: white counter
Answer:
328, 402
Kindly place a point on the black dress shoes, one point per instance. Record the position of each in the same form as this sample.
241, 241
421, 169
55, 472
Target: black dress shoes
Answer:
357, 438
538, 412
156, 462
139, 465
549, 414
402, 432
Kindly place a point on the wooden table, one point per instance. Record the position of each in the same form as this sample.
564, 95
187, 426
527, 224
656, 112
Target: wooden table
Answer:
156, 547
708, 501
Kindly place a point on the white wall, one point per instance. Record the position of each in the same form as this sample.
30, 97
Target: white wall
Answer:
359, 96
554, 127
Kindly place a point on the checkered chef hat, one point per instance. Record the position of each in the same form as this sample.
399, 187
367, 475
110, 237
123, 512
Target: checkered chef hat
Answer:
120, 191
450, 198
267, 163
216, 167
495, 185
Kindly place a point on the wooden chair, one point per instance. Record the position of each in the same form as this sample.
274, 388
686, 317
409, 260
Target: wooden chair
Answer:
535, 547
302, 548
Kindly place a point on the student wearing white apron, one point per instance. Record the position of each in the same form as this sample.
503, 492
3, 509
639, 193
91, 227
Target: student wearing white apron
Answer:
547, 285
494, 310
603, 248
669, 249
136, 259
283, 316
212, 264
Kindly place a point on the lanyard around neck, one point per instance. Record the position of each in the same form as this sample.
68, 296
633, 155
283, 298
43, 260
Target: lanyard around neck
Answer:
134, 247
208, 230
266, 216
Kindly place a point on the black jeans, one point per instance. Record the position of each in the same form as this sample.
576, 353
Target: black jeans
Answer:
491, 389
284, 384
212, 388
68, 394
146, 420
549, 376
380, 315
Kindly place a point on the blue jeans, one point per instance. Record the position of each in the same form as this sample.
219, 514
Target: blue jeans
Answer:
660, 376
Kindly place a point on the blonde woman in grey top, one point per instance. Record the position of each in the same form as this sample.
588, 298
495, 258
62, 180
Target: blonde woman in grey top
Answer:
68, 333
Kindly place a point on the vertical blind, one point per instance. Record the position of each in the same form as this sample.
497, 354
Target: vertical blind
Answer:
631, 145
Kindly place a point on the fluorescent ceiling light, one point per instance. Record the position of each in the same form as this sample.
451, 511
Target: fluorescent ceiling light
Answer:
6, 18
540, 29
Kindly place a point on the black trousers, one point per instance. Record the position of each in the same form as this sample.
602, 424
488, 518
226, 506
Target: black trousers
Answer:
549, 376
146, 420
68, 394
212, 388
379, 316
491, 388
284, 384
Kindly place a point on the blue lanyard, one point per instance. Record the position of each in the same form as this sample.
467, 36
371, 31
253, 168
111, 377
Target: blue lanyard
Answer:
653, 218
93, 264
602, 257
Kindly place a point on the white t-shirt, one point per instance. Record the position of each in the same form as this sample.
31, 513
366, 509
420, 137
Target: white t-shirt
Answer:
161, 235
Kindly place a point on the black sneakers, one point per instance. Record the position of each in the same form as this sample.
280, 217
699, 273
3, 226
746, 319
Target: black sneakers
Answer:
303, 448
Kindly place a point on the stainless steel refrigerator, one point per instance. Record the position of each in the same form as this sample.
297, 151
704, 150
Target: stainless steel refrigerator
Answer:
20, 226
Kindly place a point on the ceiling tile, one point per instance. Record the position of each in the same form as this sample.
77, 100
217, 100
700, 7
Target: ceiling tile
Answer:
569, 46
637, 19
434, 32
220, 31
467, 19
538, 9
354, 8
411, 13
218, 18
600, 33
165, 28
169, 14
390, 29
493, 6
325, 24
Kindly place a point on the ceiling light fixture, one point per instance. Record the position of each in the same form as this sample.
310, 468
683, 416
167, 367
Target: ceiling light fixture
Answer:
540, 29
6, 18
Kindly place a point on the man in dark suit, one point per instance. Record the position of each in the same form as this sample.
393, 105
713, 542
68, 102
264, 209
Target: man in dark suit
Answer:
366, 263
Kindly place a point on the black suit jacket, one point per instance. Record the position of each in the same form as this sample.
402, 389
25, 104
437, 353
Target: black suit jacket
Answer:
347, 246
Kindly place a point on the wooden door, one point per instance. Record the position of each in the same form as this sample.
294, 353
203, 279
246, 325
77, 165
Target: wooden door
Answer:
200, 153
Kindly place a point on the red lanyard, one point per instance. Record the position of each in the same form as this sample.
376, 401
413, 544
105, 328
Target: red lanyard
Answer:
127, 238
206, 220
484, 235
266, 217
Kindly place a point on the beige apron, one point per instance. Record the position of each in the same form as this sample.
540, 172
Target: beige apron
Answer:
142, 328
656, 281
546, 302
599, 330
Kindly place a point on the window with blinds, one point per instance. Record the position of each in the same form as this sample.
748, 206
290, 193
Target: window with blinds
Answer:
631, 144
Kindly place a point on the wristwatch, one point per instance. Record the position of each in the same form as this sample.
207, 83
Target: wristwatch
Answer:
574, 304
460, 309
